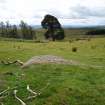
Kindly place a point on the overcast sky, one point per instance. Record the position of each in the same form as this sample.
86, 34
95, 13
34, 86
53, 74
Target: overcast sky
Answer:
69, 12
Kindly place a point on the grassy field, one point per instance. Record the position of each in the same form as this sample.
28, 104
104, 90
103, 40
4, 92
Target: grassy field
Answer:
70, 33
68, 84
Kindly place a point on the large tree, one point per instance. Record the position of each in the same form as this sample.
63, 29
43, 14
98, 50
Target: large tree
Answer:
13, 33
27, 31
54, 29
2, 29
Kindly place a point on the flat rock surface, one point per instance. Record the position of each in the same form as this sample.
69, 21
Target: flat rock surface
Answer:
44, 59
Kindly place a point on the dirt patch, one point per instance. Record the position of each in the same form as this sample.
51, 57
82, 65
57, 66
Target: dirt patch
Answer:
46, 59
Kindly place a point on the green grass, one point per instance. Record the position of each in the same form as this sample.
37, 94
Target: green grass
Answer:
68, 84
70, 33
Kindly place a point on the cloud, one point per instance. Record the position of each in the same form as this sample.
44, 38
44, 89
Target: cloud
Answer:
2, 1
67, 11
86, 12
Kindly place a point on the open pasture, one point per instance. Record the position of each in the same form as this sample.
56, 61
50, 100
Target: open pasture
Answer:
58, 84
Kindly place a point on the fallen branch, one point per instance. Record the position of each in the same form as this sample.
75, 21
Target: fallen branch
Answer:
35, 94
22, 102
31, 91
1, 103
4, 91
31, 97
14, 62
2, 97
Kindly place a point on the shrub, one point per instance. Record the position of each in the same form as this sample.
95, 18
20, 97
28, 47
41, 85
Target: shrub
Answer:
74, 49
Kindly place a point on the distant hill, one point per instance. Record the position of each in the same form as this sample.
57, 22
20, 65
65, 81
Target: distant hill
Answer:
36, 26
74, 27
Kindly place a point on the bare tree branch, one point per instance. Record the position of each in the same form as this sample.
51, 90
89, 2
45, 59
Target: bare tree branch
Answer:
1, 103
4, 91
31, 91
14, 62
22, 102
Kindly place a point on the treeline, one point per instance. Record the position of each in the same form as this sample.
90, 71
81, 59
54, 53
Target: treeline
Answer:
22, 31
96, 32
